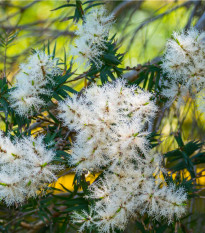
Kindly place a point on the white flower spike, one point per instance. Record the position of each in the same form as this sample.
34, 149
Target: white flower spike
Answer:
25, 168
184, 64
92, 36
32, 82
111, 123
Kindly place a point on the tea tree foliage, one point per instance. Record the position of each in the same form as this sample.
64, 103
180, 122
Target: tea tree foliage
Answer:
109, 129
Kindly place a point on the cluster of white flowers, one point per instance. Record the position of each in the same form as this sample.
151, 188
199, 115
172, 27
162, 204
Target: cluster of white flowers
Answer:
25, 168
111, 123
92, 35
32, 82
184, 63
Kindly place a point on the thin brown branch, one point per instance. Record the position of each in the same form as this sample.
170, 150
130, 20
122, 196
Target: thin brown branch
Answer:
200, 25
21, 10
124, 5
36, 227
28, 27
152, 19
197, 4
134, 74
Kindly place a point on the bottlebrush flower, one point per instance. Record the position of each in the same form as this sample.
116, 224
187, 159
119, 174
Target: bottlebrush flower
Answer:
92, 37
32, 83
165, 201
184, 64
122, 196
111, 122
25, 168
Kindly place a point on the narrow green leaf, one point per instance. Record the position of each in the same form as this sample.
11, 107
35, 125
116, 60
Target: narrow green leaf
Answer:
65, 5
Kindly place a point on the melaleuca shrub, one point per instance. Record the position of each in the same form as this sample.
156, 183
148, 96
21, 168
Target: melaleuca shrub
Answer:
104, 129
110, 122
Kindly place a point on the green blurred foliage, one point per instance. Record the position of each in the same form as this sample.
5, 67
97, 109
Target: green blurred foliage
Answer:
42, 24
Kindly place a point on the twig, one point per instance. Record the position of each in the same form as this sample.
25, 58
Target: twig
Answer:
27, 27
134, 74
35, 228
21, 216
152, 19
21, 9
200, 25
34, 126
125, 4
197, 4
